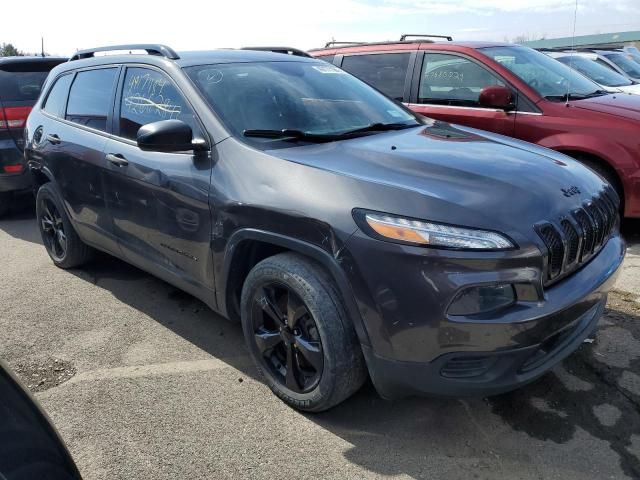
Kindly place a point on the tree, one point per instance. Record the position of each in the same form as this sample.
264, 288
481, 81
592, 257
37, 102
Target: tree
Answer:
8, 50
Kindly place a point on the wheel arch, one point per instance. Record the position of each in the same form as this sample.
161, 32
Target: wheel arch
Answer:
589, 159
247, 247
40, 176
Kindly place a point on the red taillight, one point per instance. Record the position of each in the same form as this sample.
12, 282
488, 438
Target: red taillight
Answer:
13, 168
14, 117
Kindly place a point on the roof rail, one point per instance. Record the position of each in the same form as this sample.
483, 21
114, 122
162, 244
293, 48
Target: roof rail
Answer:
404, 36
150, 48
286, 50
333, 44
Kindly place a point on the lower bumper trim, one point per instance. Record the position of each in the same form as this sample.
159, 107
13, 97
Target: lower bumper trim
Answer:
480, 373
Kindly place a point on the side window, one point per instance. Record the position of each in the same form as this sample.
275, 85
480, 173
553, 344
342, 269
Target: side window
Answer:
452, 80
90, 98
57, 98
387, 71
149, 96
604, 64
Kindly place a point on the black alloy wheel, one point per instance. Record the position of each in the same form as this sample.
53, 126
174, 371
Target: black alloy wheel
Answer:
53, 233
287, 337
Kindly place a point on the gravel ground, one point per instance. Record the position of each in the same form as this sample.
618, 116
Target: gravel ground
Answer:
144, 382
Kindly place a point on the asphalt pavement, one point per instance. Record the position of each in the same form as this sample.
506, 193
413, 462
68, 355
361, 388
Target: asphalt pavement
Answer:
145, 382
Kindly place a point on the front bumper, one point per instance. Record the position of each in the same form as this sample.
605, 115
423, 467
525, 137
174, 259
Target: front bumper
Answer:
415, 348
480, 373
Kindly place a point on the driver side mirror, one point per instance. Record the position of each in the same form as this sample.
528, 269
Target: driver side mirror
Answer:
497, 96
167, 136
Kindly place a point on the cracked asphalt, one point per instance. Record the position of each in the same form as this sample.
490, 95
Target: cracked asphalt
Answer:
144, 382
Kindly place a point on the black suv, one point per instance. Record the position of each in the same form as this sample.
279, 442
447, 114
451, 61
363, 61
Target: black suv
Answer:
21, 79
348, 235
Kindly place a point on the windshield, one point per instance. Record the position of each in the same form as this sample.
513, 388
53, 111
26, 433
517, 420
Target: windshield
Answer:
627, 65
633, 54
550, 78
597, 73
258, 101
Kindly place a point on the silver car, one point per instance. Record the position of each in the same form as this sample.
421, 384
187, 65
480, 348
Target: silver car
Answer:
589, 65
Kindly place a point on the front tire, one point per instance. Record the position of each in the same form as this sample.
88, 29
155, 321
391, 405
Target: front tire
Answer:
58, 235
299, 335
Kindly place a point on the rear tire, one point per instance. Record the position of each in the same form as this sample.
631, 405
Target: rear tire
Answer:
58, 235
310, 357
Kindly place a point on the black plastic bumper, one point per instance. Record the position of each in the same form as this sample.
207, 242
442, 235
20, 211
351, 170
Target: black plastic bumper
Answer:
480, 373
20, 183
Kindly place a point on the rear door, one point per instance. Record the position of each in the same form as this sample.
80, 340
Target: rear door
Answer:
20, 85
75, 126
447, 87
159, 201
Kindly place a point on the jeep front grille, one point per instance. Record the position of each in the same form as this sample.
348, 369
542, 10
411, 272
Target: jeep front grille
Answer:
578, 236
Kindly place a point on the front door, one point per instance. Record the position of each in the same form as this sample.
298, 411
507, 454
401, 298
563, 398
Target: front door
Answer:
449, 89
159, 201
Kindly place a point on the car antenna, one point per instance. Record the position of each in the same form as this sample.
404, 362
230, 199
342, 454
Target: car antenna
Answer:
42, 46
573, 47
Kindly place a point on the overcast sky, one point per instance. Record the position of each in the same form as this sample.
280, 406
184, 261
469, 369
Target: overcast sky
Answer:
68, 25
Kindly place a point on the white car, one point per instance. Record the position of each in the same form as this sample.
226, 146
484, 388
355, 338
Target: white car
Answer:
590, 65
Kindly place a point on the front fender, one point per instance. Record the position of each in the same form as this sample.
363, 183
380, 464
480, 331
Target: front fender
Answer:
331, 262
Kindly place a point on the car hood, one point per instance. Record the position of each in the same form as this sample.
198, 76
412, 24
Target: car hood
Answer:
621, 105
465, 175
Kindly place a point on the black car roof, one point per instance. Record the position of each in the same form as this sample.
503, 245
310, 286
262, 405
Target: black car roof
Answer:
8, 62
31, 59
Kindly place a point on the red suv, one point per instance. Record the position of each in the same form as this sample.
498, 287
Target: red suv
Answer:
510, 90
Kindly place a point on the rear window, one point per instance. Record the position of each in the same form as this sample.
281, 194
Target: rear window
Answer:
90, 98
21, 86
385, 71
21, 81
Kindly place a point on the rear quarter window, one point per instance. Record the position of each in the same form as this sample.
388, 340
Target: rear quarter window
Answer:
57, 99
385, 71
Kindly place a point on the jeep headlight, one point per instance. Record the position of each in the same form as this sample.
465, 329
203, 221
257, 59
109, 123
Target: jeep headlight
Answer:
422, 232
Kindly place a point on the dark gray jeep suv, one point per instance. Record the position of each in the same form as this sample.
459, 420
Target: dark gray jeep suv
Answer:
348, 235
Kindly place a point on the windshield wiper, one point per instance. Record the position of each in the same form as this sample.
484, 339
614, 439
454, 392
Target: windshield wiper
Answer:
288, 133
293, 134
576, 96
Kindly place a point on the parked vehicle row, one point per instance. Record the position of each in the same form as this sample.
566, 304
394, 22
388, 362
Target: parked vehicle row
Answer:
510, 90
350, 236
587, 64
21, 79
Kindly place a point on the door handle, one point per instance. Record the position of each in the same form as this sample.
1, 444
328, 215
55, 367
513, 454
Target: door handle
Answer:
117, 159
53, 139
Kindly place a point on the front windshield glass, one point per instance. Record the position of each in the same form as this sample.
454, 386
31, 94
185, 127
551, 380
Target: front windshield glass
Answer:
550, 78
596, 72
309, 98
627, 65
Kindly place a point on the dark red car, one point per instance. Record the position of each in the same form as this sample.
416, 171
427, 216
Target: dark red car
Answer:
511, 90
